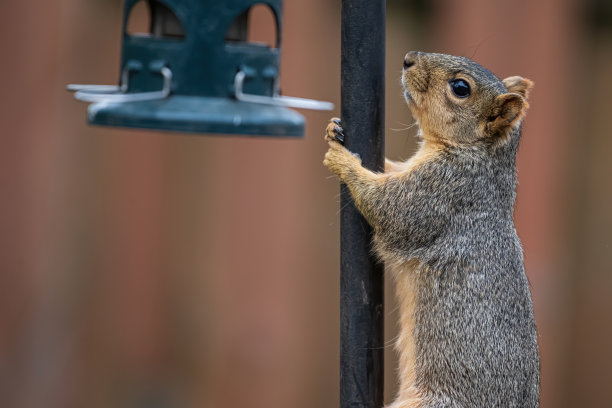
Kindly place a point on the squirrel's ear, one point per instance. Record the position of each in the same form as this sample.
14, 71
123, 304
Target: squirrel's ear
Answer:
519, 85
508, 109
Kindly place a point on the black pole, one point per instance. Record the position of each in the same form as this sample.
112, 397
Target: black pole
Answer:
361, 277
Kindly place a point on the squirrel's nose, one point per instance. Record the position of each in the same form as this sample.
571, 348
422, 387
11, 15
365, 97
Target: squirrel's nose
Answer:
410, 59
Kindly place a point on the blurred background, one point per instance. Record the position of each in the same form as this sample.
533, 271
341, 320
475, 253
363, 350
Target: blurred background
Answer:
153, 269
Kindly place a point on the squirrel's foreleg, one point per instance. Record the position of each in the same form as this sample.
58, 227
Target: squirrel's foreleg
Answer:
364, 185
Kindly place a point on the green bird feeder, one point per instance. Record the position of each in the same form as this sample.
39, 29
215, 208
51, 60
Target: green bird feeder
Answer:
196, 72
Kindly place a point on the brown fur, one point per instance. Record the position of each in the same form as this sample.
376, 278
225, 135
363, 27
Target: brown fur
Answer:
408, 394
479, 127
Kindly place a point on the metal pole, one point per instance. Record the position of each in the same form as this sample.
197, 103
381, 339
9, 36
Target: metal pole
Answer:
361, 277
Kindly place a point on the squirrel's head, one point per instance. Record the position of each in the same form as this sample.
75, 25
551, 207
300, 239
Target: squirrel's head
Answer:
457, 101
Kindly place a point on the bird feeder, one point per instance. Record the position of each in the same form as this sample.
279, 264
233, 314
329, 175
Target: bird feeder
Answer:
196, 72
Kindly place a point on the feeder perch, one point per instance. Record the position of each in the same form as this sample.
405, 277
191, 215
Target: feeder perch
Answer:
196, 72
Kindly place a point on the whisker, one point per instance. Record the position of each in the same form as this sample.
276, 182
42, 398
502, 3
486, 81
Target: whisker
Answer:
406, 128
391, 342
347, 204
388, 344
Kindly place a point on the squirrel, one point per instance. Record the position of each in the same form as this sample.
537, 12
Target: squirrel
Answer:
443, 225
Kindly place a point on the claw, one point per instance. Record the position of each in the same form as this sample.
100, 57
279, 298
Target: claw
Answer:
339, 133
336, 121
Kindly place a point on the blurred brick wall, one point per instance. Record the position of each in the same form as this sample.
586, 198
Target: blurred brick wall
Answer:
141, 266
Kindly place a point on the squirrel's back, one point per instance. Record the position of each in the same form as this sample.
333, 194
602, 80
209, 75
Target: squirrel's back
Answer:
469, 324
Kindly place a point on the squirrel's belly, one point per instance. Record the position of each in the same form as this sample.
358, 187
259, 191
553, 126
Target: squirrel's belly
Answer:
404, 274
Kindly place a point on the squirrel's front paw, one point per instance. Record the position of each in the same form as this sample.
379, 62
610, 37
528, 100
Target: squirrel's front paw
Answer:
334, 158
339, 160
334, 131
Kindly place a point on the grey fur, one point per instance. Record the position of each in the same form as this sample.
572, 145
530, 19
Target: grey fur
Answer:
474, 329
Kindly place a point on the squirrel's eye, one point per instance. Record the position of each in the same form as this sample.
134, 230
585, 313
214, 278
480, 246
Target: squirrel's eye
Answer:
460, 88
